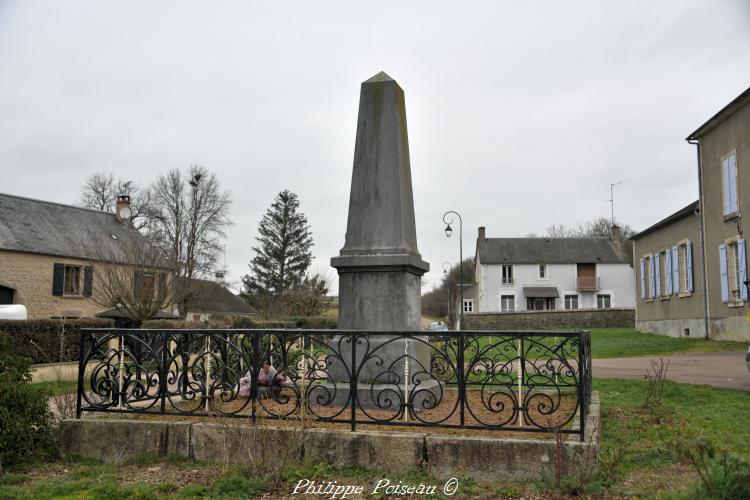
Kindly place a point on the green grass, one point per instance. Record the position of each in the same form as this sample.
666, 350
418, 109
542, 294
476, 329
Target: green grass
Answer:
626, 342
634, 439
58, 388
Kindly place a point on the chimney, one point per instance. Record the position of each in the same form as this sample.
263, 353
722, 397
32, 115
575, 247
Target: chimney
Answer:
219, 277
616, 235
481, 236
122, 209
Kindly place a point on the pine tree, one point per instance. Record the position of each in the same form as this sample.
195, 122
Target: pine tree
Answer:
283, 254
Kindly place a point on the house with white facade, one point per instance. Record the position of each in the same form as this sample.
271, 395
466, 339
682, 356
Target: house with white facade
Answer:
542, 274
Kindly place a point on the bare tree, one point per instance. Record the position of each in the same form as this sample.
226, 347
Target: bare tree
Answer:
309, 297
189, 215
598, 227
100, 192
133, 277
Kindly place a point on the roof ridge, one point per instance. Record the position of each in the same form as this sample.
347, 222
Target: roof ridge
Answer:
47, 202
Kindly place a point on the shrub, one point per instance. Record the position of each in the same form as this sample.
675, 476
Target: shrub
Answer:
245, 322
721, 474
24, 418
48, 340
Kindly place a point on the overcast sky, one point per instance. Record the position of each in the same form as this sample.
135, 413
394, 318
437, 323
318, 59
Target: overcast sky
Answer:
519, 116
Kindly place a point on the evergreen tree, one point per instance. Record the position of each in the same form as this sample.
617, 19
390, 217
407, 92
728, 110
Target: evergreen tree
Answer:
283, 254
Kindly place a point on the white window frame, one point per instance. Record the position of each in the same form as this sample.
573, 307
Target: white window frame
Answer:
513, 296
733, 272
565, 301
609, 295
543, 272
468, 306
503, 280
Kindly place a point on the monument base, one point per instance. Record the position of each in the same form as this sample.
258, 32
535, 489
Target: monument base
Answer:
389, 397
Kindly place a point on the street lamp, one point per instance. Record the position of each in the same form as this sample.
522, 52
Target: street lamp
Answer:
448, 232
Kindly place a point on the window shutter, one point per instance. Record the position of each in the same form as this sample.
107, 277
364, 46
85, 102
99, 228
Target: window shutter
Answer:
725, 186
743, 268
732, 168
689, 265
657, 275
724, 277
58, 279
643, 280
88, 280
668, 271
651, 277
676, 269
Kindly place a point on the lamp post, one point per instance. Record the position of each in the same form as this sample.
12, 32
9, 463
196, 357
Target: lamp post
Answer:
448, 231
446, 271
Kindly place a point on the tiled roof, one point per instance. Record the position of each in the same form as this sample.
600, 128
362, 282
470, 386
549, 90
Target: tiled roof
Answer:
549, 251
43, 227
206, 296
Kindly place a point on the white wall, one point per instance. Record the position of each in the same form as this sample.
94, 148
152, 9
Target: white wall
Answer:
617, 280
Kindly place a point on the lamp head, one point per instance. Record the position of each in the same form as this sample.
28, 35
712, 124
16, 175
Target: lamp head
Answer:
448, 230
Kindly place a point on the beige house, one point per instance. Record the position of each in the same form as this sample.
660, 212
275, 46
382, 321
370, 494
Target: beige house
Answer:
670, 294
206, 300
48, 254
703, 245
724, 183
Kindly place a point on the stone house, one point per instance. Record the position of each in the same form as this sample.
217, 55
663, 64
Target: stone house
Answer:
48, 254
711, 234
542, 274
670, 292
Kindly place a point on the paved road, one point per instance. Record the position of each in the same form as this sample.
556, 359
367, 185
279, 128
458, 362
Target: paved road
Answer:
726, 370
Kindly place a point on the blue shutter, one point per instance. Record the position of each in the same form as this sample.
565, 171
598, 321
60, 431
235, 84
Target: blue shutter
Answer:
651, 277
689, 265
743, 268
657, 275
676, 269
725, 186
643, 280
732, 168
668, 271
724, 278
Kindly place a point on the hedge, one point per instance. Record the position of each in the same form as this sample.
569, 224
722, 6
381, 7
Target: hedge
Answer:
306, 323
48, 340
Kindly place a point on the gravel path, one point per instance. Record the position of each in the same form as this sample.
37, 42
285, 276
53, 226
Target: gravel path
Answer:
726, 370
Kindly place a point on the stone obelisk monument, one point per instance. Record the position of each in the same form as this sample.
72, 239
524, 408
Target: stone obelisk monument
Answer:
380, 266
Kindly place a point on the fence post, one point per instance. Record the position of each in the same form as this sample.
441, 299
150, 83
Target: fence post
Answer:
461, 376
163, 379
581, 380
353, 381
79, 394
254, 371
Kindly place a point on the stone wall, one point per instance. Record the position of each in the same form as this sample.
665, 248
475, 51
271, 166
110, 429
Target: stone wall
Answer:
551, 320
30, 275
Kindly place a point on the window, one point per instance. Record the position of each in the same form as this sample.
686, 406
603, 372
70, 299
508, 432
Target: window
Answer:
507, 274
603, 301
733, 272
72, 280
684, 268
507, 303
647, 277
468, 306
663, 275
729, 184
571, 302
540, 303
542, 271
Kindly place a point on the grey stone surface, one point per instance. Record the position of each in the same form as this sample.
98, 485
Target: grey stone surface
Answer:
113, 440
231, 442
380, 266
390, 451
385, 358
427, 394
445, 456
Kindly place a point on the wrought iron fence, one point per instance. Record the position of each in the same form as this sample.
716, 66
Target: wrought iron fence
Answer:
510, 381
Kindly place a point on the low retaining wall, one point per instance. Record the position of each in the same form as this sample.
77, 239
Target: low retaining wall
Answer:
550, 320
441, 455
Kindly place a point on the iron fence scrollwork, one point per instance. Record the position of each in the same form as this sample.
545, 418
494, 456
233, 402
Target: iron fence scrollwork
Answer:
485, 380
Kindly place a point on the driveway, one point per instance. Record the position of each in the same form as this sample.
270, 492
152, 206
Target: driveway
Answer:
726, 370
